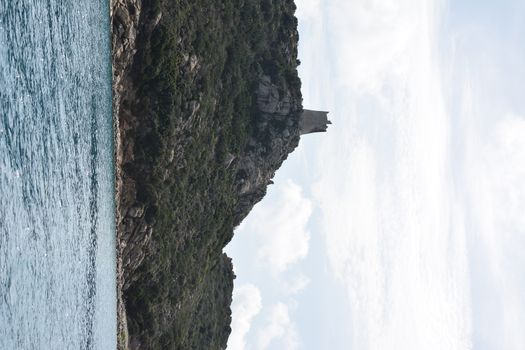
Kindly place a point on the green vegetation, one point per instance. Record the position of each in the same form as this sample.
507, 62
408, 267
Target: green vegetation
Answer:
196, 75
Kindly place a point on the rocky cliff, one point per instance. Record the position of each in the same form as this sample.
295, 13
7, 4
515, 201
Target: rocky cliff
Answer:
276, 135
207, 103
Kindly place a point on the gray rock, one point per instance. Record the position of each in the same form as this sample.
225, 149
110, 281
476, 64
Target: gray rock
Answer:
256, 167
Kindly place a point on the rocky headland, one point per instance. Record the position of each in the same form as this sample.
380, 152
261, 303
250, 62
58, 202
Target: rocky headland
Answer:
207, 104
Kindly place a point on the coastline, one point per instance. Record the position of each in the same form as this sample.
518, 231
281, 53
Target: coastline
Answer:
124, 16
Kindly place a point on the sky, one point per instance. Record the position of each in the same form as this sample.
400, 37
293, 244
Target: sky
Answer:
402, 227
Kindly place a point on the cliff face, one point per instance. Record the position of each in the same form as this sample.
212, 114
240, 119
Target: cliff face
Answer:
276, 135
207, 104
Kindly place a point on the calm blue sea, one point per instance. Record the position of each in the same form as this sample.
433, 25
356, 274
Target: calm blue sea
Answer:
57, 232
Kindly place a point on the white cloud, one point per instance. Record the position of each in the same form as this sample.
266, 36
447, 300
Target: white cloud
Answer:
297, 284
373, 40
421, 182
282, 228
307, 9
504, 164
245, 307
494, 191
278, 328
395, 239
278, 234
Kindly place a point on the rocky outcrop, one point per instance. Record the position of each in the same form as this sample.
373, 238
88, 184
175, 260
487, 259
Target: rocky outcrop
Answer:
132, 228
276, 136
125, 16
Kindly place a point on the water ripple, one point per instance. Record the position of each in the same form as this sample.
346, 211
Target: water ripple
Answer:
57, 278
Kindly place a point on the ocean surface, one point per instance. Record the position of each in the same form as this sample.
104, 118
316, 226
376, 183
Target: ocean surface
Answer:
57, 231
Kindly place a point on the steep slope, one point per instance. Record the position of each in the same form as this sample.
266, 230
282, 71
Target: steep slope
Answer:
207, 104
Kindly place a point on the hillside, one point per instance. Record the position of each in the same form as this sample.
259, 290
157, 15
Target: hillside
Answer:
207, 103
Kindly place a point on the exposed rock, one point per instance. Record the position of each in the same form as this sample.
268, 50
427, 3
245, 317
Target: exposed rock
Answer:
257, 166
136, 211
194, 63
274, 104
125, 16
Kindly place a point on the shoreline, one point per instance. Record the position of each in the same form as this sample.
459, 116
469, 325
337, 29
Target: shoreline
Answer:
124, 16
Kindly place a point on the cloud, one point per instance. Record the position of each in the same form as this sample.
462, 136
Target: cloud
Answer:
504, 165
276, 234
297, 284
308, 10
245, 307
421, 178
372, 40
282, 228
495, 197
278, 328
395, 238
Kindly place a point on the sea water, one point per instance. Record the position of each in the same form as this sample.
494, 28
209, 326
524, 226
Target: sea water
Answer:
57, 231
